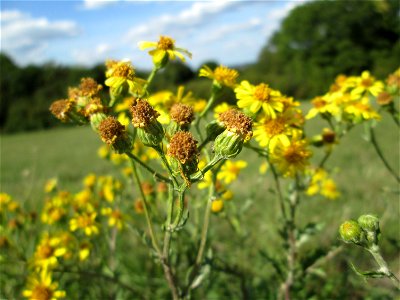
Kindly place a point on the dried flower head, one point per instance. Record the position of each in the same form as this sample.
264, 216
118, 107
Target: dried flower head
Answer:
183, 147
182, 113
61, 108
237, 122
143, 114
94, 106
89, 87
110, 130
384, 98
328, 136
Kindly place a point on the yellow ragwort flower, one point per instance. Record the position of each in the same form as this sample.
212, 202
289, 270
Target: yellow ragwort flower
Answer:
164, 50
367, 84
221, 75
115, 217
230, 170
270, 132
120, 74
293, 158
48, 251
259, 97
217, 205
41, 287
85, 221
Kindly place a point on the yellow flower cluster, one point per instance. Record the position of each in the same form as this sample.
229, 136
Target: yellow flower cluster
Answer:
321, 183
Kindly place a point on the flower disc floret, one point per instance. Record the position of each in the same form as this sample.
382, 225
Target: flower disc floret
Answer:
183, 147
238, 123
110, 130
182, 114
143, 114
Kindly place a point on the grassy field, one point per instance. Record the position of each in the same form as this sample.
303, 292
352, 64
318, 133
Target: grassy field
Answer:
29, 159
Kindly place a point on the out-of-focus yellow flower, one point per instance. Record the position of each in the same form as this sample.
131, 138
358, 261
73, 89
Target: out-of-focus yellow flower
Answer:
259, 97
86, 222
41, 287
263, 167
221, 75
220, 108
367, 84
84, 250
84, 200
89, 181
124, 105
4, 200
103, 151
329, 189
322, 105
217, 205
50, 185
164, 50
115, 217
230, 170
118, 158
122, 74
123, 119
138, 206
361, 110
293, 158
52, 214
227, 195
47, 252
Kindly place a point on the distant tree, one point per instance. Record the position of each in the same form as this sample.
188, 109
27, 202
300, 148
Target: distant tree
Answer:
321, 39
7, 85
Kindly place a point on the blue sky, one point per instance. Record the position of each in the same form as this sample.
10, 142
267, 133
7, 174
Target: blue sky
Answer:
90, 31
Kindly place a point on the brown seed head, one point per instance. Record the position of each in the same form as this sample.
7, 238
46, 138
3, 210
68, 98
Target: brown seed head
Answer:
94, 106
60, 109
89, 87
237, 122
110, 130
182, 113
183, 147
328, 136
384, 98
142, 113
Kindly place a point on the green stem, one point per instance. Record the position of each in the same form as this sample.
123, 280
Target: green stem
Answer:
375, 251
166, 164
203, 113
324, 159
167, 236
150, 79
146, 209
199, 175
181, 208
278, 190
152, 171
381, 156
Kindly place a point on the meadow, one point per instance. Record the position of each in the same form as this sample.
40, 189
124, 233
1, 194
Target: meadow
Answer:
28, 160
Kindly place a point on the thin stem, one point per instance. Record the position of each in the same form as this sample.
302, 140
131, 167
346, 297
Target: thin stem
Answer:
150, 79
203, 113
375, 251
199, 175
325, 158
166, 164
167, 236
149, 169
381, 156
279, 190
181, 200
146, 209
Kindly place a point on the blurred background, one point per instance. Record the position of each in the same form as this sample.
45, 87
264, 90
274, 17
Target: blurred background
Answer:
297, 47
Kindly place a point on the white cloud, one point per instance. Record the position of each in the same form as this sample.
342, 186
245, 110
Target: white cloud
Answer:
92, 56
26, 38
95, 4
181, 23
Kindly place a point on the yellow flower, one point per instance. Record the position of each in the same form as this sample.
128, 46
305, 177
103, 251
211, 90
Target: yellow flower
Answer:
84, 200
41, 287
85, 221
263, 167
48, 250
227, 195
367, 84
323, 105
52, 213
84, 250
270, 132
122, 74
217, 205
89, 181
361, 110
329, 189
230, 170
221, 75
164, 50
116, 218
293, 158
207, 180
256, 97
103, 151
220, 108
50, 185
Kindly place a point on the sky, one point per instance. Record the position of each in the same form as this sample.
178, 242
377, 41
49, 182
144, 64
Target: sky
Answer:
88, 32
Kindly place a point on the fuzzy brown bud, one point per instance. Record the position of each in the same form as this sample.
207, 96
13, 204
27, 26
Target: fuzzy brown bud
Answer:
113, 133
237, 122
182, 114
384, 98
89, 87
183, 147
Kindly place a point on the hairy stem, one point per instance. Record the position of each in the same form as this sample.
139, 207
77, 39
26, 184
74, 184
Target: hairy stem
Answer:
149, 169
376, 253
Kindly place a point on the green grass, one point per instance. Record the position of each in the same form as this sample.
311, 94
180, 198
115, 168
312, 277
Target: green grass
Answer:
29, 159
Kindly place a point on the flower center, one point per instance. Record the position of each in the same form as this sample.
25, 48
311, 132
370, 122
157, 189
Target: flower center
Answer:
319, 102
116, 214
223, 74
274, 126
84, 221
165, 43
367, 82
41, 292
262, 92
124, 70
46, 251
295, 155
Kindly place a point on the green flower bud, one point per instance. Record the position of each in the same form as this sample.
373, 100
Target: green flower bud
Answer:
351, 232
213, 129
369, 223
152, 135
228, 145
96, 119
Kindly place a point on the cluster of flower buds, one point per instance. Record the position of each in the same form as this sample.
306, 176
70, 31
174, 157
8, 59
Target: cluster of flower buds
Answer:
363, 232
